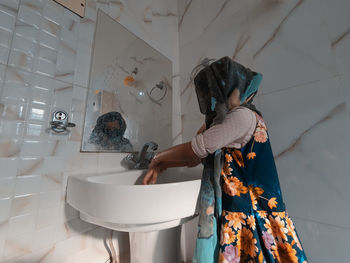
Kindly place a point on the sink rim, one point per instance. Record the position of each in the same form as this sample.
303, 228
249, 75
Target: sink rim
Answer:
118, 204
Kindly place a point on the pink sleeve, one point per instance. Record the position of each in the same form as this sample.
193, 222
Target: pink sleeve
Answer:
234, 132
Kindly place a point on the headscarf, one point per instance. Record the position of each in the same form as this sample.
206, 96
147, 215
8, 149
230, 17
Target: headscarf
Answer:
110, 138
215, 83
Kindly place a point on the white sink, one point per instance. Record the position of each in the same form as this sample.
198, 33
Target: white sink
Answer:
119, 201
120, 198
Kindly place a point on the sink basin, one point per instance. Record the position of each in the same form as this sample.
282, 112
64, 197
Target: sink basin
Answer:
151, 214
120, 201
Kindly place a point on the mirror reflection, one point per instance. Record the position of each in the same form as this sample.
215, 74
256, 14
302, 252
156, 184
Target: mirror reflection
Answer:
130, 96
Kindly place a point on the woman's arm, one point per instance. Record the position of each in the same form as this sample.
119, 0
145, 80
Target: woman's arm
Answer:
176, 156
201, 129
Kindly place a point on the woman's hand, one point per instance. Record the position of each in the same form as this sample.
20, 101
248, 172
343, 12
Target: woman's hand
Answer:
151, 176
176, 156
154, 170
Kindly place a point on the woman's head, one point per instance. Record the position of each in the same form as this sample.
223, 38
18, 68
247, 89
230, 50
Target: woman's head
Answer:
111, 123
222, 85
109, 126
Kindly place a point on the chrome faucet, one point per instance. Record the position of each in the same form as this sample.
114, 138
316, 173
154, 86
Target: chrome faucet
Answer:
142, 159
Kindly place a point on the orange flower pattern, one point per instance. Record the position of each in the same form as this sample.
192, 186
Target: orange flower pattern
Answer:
239, 240
263, 233
260, 134
234, 187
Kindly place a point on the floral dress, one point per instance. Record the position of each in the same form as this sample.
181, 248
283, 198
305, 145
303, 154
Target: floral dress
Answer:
255, 226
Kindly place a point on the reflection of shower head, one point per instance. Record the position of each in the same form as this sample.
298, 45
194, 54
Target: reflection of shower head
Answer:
129, 80
135, 70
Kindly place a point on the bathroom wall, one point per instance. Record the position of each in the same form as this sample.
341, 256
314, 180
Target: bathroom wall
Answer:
302, 49
45, 54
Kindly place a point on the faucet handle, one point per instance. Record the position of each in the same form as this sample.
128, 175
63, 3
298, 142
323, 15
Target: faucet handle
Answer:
152, 145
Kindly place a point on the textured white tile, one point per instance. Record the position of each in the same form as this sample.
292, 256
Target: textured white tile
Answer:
13, 110
5, 207
10, 147
2, 73
5, 38
57, 148
40, 95
45, 67
8, 167
288, 114
49, 199
44, 238
47, 54
20, 60
345, 80
34, 5
23, 45
298, 53
191, 124
22, 225
29, 184
7, 187
11, 4
48, 217
11, 129
53, 164
16, 246
24, 204
82, 66
36, 113
50, 27
7, 18
314, 172
65, 68
29, 16
33, 148
69, 38
35, 130
336, 19
51, 182
14, 92
314, 235
30, 166
48, 40
26, 31
4, 54
53, 11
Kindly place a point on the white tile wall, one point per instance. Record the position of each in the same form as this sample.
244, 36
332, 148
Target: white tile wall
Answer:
45, 54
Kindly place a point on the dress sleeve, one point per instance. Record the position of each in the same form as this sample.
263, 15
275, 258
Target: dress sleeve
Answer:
234, 132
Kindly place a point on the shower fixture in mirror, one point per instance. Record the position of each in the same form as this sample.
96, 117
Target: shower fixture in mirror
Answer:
129, 99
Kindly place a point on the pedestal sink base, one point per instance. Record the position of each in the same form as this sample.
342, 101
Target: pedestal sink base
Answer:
156, 247
149, 243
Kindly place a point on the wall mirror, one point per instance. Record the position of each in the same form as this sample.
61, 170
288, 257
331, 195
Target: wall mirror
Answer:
129, 100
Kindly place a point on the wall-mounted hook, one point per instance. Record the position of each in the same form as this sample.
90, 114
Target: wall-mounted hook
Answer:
59, 122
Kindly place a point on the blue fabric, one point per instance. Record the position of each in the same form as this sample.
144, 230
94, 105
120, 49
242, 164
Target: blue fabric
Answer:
213, 103
250, 223
253, 87
209, 206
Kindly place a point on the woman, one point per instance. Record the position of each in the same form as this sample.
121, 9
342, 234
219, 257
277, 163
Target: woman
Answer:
242, 215
109, 131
